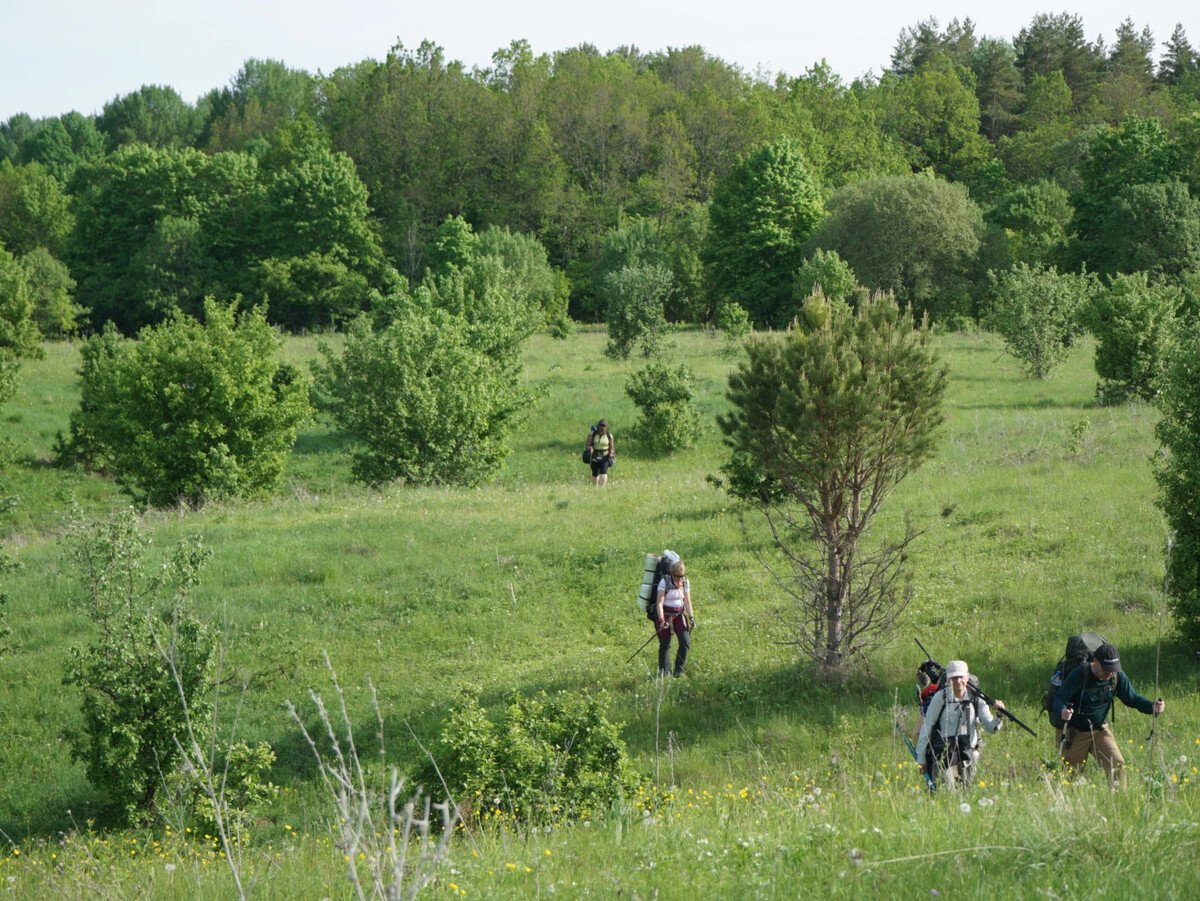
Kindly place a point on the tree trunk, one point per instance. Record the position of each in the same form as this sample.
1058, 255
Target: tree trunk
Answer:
834, 608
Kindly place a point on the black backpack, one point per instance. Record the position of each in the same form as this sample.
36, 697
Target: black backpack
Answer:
1080, 648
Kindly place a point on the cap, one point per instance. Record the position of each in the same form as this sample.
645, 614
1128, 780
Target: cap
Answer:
1106, 656
956, 668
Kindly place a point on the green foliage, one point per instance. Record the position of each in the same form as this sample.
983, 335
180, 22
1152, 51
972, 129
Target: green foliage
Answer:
146, 666
636, 296
190, 411
669, 421
548, 759
1139, 152
18, 333
312, 291
935, 116
1153, 228
834, 414
761, 214
733, 320
154, 115
242, 788
827, 272
1036, 219
1178, 475
916, 236
533, 277
1036, 311
51, 290
424, 395
34, 210
453, 245
1135, 325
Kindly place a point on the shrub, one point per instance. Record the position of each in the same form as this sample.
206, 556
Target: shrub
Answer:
1035, 311
146, 665
635, 298
668, 422
547, 759
189, 411
1178, 475
241, 788
424, 403
1134, 324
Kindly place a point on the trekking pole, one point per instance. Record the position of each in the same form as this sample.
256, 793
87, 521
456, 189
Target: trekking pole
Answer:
913, 751
1157, 655
644, 643
1000, 711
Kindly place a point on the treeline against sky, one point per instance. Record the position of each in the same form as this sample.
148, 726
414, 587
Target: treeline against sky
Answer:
323, 192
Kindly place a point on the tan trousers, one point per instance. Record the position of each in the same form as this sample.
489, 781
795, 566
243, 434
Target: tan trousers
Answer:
1101, 745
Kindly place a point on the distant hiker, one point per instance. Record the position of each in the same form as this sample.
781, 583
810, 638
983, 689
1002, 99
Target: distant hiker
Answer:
673, 608
603, 447
1084, 701
949, 740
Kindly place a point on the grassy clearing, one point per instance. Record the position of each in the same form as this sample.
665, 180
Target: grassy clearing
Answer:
529, 584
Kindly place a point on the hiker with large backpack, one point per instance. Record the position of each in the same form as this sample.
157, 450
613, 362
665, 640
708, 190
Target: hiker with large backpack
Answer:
673, 613
949, 739
600, 451
1083, 703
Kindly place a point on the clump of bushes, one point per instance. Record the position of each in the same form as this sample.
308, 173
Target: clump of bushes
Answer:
547, 758
669, 421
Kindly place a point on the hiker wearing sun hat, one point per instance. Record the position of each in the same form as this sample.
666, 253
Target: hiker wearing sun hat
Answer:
1084, 701
949, 739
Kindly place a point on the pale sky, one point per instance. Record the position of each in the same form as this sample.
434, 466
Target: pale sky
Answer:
60, 55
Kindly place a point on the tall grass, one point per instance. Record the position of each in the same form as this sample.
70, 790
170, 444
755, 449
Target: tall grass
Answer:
529, 583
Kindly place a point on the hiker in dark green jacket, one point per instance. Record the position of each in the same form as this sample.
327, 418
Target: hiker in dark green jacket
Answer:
1083, 702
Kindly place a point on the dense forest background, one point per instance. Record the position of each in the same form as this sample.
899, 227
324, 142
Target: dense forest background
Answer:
323, 193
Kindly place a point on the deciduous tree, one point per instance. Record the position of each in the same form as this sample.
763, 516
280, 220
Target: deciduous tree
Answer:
761, 214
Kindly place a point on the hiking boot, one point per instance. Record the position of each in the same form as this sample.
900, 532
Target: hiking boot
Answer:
678, 672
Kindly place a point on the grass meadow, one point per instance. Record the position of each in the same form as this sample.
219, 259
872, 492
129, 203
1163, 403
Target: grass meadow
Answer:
760, 778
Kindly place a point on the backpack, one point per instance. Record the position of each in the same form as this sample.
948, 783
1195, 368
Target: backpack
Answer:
654, 570
1080, 648
587, 447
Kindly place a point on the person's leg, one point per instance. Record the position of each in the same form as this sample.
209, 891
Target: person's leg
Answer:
1108, 755
1074, 758
664, 647
685, 643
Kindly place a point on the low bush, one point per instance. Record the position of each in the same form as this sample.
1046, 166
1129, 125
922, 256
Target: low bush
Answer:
669, 421
546, 759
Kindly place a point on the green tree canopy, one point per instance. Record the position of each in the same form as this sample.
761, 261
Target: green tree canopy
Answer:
916, 236
761, 214
34, 210
827, 419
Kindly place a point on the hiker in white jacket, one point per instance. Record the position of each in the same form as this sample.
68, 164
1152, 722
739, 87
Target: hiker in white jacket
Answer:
949, 739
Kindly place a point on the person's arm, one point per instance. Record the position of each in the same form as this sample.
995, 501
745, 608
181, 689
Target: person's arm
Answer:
662, 590
687, 604
1065, 698
1131, 698
984, 715
612, 447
